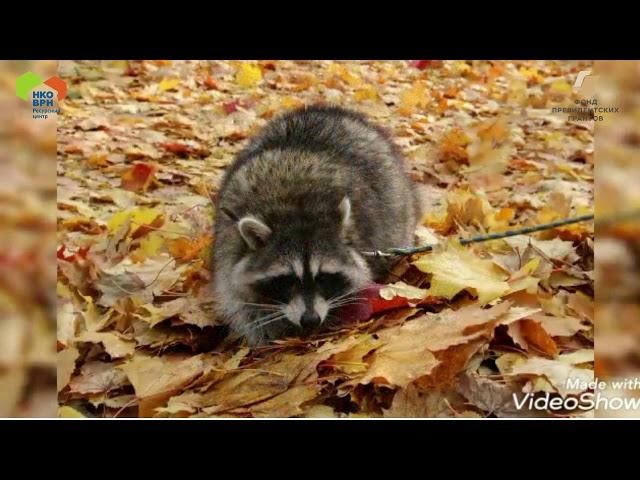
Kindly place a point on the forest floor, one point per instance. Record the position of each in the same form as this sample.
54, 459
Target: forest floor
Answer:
456, 332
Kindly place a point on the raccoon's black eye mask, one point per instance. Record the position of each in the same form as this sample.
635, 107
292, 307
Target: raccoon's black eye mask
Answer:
331, 284
279, 289
282, 287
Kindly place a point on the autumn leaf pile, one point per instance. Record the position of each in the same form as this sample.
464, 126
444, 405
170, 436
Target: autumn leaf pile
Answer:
142, 147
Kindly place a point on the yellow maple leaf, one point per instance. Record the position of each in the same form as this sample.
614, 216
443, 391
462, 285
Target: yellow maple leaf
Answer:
456, 269
151, 244
138, 216
248, 75
351, 361
402, 359
368, 92
561, 87
69, 412
413, 98
168, 84
531, 74
291, 102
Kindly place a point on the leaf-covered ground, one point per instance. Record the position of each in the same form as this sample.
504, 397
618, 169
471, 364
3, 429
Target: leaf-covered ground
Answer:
142, 147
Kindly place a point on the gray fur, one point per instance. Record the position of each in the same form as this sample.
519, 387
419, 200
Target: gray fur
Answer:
314, 188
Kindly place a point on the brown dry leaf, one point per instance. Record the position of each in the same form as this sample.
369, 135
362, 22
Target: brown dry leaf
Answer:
97, 377
453, 327
582, 305
555, 249
530, 333
411, 402
348, 355
287, 404
114, 345
452, 361
406, 353
493, 397
139, 281
156, 314
402, 359
557, 372
245, 387
66, 365
560, 326
67, 323
156, 379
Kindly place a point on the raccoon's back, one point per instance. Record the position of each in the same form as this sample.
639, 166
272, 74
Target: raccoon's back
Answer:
343, 136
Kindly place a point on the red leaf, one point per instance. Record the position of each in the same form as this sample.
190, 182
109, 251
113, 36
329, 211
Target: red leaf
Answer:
230, 107
421, 64
60, 254
81, 253
179, 149
372, 303
138, 177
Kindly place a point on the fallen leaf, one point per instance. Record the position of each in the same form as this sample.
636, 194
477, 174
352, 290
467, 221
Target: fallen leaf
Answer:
401, 359
157, 314
139, 177
558, 373
97, 377
411, 402
66, 365
69, 412
248, 75
169, 84
457, 269
532, 334
156, 379
495, 398
401, 289
113, 344
185, 249
287, 404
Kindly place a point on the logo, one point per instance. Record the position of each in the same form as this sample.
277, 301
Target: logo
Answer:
586, 83
580, 78
587, 107
43, 98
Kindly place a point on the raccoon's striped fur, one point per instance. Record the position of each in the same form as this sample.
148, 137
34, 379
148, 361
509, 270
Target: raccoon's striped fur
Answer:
313, 189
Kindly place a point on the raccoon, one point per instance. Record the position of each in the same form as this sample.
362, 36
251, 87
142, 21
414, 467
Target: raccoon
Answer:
312, 190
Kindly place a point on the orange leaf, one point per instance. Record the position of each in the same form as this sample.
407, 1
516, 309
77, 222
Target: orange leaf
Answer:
210, 83
538, 338
98, 160
185, 249
452, 361
142, 230
453, 146
138, 177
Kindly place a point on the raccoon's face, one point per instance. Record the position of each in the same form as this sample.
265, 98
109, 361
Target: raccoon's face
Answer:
291, 284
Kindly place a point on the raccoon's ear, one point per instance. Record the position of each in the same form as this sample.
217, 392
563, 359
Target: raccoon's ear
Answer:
253, 231
345, 214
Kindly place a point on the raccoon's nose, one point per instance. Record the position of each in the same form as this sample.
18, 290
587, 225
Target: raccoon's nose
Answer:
309, 320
